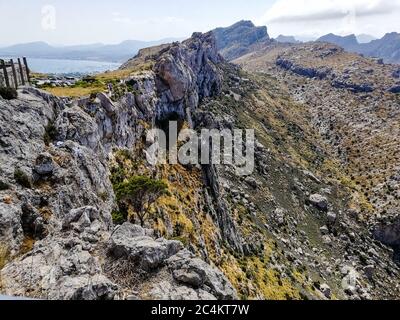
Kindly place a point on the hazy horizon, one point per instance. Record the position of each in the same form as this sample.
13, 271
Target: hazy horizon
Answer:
65, 23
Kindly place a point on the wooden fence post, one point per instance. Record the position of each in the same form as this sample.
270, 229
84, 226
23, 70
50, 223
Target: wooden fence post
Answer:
28, 75
21, 71
1, 73
14, 73
3, 65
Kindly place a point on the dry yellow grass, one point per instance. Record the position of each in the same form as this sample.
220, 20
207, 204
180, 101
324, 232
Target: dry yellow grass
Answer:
4, 253
115, 75
74, 92
100, 85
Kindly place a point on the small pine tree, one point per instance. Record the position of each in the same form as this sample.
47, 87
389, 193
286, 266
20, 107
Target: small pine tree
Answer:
139, 193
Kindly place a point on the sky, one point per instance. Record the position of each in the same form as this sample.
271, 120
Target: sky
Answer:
67, 22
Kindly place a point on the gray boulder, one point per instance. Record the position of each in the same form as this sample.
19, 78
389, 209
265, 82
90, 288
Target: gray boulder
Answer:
319, 201
81, 218
131, 242
52, 270
44, 165
166, 290
188, 269
11, 233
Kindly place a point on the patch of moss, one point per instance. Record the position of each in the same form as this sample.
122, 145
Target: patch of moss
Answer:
184, 240
22, 178
4, 186
119, 217
50, 133
103, 196
8, 93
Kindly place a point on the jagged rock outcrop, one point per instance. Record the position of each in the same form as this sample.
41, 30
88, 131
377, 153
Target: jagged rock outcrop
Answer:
354, 87
389, 234
134, 243
189, 270
394, 89
186, 74
183, 75
308, 72
189, 277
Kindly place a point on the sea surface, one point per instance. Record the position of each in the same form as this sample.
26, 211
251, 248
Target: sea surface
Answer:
69, 67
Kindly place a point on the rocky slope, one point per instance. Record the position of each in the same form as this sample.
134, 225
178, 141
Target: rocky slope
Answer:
294, 229
353, 102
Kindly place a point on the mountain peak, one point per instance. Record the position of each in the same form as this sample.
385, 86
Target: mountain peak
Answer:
235, 40
244, 23
286, 39
342, 41
391, 36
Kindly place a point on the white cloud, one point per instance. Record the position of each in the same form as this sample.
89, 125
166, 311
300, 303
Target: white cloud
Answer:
317, 17
317, 10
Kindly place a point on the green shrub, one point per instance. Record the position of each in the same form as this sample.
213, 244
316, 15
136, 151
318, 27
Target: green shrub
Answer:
8, 93
117, 175
119, 217
139, 193
184, 240
178, 229
4, 186
50, 133
22, 178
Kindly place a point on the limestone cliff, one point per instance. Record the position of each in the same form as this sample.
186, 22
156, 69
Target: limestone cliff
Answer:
290, 230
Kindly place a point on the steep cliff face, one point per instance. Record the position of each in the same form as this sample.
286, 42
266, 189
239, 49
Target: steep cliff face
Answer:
57, 237
182, 74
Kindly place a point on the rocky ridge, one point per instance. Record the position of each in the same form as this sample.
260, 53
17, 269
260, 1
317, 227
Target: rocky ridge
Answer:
291, 230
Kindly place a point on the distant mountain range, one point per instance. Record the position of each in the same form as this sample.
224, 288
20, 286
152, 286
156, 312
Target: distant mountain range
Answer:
244, 37
387, 48
287, 39
232, 42
361, 38
96, 52
365, 38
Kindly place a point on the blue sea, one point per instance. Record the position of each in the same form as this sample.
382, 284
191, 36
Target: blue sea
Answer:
69, 67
